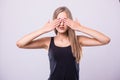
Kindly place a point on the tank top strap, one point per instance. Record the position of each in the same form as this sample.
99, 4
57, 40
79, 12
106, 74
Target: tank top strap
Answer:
52, 39
52, 42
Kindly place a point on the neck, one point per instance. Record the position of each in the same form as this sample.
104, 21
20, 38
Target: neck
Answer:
62, 38
62, 35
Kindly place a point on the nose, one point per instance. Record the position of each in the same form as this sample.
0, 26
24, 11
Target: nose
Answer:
62, 23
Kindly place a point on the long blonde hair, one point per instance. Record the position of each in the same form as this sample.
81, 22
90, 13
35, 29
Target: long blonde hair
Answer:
76, 47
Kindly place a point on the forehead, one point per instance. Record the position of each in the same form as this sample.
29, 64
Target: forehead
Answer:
62, 15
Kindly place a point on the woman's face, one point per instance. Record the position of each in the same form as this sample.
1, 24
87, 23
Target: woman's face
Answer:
62, 28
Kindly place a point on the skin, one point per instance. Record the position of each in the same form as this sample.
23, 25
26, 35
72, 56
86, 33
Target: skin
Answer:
29, 41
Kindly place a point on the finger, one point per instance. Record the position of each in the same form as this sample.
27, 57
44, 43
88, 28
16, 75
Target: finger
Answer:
57, 22
64, 19
48, 21
76, 20
68, 21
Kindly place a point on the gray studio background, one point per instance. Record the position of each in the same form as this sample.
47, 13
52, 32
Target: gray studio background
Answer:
19, 17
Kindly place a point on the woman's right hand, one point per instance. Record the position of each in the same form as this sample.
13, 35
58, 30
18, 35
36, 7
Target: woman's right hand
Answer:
51, 25
28, 40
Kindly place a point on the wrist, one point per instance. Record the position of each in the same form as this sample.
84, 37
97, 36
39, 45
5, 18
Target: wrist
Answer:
43, 30
79, 28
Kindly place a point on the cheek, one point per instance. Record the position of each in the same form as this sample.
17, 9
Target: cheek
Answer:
65, 26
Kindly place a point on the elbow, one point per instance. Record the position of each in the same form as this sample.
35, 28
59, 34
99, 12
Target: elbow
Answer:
106, 41
18, 44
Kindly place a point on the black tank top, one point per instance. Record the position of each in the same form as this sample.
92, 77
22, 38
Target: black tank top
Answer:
62, 63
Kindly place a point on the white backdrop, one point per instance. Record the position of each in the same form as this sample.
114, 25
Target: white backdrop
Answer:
19, 17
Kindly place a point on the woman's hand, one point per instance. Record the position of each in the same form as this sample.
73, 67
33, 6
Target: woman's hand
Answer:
51, 25
75, 25
28, 40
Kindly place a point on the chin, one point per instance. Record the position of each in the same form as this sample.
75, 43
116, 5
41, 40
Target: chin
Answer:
62, 32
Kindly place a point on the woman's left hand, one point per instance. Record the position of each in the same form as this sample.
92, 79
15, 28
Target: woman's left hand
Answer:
75, 25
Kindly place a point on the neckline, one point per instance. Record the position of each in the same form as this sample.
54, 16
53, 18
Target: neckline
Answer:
60, 46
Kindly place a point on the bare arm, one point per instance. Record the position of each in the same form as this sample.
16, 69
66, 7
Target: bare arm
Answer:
29, 38
97, 38
28, 41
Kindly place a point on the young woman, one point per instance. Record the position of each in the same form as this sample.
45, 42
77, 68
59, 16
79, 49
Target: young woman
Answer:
64, 49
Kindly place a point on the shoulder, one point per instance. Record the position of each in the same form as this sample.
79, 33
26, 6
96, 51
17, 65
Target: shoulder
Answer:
45, 38
46, 41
